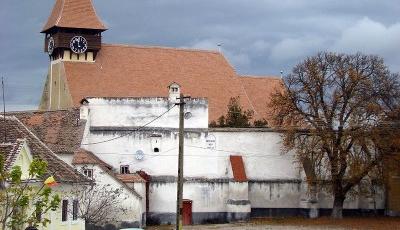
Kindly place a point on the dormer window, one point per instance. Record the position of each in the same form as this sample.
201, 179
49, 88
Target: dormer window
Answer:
174, 91
88, 173
124, 169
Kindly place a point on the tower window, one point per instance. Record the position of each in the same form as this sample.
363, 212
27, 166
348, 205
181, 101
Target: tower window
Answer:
124, 169
174, 89
156, 150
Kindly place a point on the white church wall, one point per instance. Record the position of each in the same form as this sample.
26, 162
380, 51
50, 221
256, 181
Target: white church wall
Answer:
274, 194
276, 185
260, 151
209, 200
131, 112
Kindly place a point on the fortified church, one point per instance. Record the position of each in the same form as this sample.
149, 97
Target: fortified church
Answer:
108, 111
81, 66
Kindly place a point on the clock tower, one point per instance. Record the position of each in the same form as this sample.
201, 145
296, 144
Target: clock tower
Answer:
73, 31
72, 37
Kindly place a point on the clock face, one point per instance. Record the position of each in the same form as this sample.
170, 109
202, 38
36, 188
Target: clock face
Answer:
78, 44
50, 45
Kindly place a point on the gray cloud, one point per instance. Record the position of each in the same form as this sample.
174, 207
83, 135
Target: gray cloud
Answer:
260, 37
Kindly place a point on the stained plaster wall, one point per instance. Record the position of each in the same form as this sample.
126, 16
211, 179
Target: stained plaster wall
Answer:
209, 200
260, 151
275, 180
140, 111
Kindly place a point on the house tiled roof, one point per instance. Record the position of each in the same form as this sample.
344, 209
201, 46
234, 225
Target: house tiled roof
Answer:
131, 178
144, 71
56, 167
239, 173
10, 151
83, 156
74, 14
60, 130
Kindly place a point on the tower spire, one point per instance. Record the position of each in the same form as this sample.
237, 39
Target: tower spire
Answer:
76, 14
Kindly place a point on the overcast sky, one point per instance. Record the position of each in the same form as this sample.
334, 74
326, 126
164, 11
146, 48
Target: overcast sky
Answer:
259, 37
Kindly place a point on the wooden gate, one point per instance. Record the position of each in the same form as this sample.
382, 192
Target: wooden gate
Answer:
187, 212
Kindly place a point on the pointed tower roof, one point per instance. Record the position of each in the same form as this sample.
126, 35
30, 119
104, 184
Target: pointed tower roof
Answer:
74, 14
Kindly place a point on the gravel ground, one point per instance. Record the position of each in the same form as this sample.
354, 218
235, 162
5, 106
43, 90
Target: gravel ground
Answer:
260, 227
360, 223
247, 227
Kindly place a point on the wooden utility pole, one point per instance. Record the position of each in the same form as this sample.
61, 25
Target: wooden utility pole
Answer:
179, 195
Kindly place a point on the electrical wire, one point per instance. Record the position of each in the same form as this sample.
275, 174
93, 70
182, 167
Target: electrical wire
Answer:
126, 134
261, 155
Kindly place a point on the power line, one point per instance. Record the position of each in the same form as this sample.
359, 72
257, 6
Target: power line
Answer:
200, 155
126, 134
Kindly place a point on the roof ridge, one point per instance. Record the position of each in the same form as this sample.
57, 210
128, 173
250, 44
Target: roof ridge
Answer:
260, 76
11, 118
61, 12
70, 168
162, 47
114, 176
40, 111
95, 13
13, 154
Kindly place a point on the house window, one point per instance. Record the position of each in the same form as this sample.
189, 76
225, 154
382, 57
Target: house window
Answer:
64, 210
174, 89
38, 213
75, 209
88, 173
124, 169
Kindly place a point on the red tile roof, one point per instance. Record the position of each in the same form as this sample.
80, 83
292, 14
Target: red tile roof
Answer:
131, 178
56, 167
60, 130
10, 152
138, 71
239, 173
73, 14
83, 156
258, 90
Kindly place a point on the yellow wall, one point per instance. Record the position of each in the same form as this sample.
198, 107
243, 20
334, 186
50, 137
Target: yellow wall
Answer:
63, 190
24, 160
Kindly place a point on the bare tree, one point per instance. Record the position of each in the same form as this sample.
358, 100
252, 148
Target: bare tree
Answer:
99, 204
333, 113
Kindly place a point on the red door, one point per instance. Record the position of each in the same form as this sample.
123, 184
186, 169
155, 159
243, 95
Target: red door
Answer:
187, 212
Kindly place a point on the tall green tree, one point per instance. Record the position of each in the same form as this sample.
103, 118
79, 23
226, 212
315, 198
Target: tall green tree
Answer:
333, 110
236, 116
22, 201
